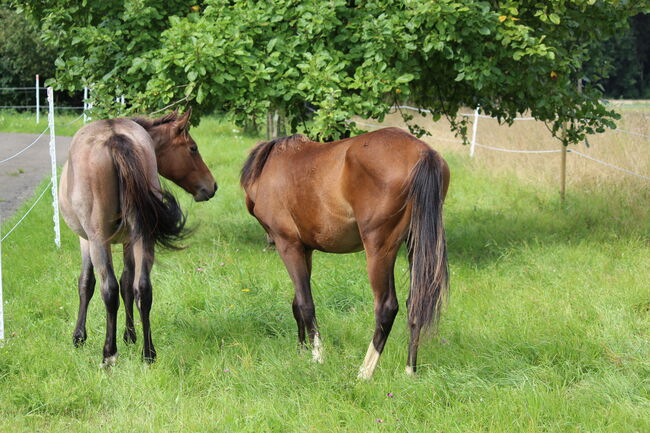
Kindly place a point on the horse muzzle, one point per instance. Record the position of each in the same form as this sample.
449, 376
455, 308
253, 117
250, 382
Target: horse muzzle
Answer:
205, 194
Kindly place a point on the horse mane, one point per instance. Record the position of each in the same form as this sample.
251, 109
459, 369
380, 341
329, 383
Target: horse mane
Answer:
150, 123
258, 156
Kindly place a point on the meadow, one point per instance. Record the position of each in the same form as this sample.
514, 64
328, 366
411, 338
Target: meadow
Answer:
546, 330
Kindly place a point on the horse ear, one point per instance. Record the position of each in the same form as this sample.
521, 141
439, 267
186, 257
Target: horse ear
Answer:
182, 123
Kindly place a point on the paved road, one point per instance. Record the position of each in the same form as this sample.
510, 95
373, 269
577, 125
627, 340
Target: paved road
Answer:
20, 176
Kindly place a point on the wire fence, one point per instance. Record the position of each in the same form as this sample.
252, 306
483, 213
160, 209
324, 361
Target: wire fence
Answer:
51, 186
36, 90
476, 115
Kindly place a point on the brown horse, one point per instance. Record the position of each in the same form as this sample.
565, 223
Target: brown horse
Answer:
110, 193
368, 192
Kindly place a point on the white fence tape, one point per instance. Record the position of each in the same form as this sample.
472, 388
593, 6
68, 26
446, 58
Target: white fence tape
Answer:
608, 164
40, 196
502, 149
638, 134
25, 148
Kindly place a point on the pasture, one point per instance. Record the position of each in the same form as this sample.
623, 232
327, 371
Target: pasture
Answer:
547, 328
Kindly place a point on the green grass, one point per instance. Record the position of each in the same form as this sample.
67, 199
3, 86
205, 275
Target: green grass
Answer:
66, 122
546, 329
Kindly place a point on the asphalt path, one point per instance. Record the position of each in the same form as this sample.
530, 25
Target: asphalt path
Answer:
20, 176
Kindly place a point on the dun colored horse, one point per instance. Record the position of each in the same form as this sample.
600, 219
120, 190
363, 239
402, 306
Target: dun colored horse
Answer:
370, 192
110, 193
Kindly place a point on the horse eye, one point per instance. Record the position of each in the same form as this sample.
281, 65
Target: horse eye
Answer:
194, 149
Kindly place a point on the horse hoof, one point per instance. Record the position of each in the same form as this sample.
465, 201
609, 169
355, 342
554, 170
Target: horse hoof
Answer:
410, 371
78, 340
364, 374
150, 358
109, 362
129, 336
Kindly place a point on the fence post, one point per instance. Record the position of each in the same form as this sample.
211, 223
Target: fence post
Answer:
2, 318
563, 167
85, 103
38, 101
474, 129
55, 195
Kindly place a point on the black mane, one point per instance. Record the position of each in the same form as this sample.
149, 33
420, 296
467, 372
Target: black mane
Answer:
257, 158
150, 123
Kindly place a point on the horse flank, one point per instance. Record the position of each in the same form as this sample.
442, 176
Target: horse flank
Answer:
157, 220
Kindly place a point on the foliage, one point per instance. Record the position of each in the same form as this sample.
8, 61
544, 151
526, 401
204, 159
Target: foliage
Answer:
22, 55
341, 57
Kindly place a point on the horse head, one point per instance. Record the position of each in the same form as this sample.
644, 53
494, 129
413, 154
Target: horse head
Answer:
178, 156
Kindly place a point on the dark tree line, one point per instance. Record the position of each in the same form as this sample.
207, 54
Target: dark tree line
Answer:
628, 57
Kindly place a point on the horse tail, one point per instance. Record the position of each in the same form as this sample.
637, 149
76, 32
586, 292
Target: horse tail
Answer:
152, 214
426, 243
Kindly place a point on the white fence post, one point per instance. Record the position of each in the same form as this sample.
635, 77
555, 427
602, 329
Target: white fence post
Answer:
474, 128
55, 195
2, 318
38, 101
85, 104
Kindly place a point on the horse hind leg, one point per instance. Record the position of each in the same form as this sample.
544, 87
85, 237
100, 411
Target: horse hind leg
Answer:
297, 260
86, 287
100, 253
143, 256
380, 273
126, 290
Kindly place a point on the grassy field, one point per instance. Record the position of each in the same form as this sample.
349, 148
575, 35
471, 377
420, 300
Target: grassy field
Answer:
547, 328
65, 122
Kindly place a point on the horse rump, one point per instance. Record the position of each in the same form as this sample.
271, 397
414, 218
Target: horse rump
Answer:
150, 213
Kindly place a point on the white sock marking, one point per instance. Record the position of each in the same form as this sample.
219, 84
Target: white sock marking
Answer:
369, 363
317, 350
109, 362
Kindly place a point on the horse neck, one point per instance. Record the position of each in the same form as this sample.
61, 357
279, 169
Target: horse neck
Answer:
160, 136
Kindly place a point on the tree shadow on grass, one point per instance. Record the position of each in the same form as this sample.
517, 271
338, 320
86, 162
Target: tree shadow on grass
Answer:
481, 235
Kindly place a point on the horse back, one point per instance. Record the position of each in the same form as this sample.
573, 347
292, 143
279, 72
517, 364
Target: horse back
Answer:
328, 195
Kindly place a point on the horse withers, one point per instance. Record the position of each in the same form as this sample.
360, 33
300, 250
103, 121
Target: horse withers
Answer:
110, 193
371, 192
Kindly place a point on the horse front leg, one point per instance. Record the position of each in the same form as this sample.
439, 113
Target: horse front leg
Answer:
143, 256
100, 253
126, 290
297, 260
86, 285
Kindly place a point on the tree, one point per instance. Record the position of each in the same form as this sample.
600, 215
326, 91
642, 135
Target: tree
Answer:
22, 56
341, 57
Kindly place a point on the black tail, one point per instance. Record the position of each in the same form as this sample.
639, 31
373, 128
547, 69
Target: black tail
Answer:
151, 214
426, 243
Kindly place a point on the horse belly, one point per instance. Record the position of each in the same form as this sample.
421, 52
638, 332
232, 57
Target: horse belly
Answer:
341, 237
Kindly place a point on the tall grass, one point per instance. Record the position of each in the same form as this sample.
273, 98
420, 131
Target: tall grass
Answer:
546, 329
618, 147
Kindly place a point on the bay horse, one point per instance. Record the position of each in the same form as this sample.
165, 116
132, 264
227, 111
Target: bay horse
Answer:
110, 193
371, 192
